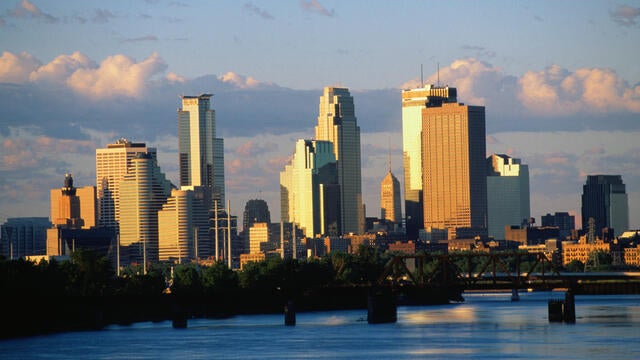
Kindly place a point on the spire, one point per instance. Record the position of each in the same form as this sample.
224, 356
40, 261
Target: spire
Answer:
389, 153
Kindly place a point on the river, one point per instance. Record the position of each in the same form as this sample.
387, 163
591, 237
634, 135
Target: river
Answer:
485, 326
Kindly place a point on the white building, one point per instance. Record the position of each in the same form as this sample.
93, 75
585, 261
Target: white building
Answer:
507, 193
337, 124
201, 154
112, 164
143, 191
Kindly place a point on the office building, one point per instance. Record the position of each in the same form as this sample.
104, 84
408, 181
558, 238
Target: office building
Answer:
143, 191
183, 225
604, 199
258, 234
24, 236
390, 199
413, 101
255, 210
310, 193
563, 221
454, 172
337, 123
112, 164
201, 153
507, 194
73, 208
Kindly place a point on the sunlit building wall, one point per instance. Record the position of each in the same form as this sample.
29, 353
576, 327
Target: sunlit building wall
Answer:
258, 234
143, 191
390, 206
413, 101
454, 174
69, 203
507, 194
201, 154
337, 123
112, 164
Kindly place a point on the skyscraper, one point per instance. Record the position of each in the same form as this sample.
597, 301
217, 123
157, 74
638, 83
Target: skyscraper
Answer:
507, 193
73, 207
413, 101
565, 222
604, 199
112, 164
454, 172
337, 124
183, 225
143, 191
255, 210
309, 188
390, 199
201, 154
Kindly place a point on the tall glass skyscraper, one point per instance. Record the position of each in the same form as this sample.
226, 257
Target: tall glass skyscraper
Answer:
413, 101
201, 154
604, 199
337, 123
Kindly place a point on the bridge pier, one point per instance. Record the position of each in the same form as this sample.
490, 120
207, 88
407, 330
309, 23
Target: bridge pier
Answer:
563, 310
514, 295
382, 306
290, 314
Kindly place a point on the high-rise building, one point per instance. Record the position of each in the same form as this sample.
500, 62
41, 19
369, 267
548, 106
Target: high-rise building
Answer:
143, 191
310, 193
25, 236
562, 220
255, 210
507, 194
413, 101
454, 172
201, 154
73, 208
112, 164
258, 234
183, 225
390, 199
604, 199
337, 123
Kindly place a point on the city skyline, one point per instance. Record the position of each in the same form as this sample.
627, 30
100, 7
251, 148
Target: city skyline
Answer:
565, 107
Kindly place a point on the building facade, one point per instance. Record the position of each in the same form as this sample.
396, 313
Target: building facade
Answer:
255, 210
454, 172
72, 207
507, 194
337, 123
310, 194
258, 234
565, 222
604, 199
24, 236
390, 207
183, 225
413, 101
143, 191
112, 164
201, 153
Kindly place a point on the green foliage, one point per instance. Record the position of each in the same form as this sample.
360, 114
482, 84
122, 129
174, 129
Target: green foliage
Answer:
218, 278
186, 280
575, 266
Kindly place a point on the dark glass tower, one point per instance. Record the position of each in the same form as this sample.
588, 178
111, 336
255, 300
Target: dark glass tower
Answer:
604, 199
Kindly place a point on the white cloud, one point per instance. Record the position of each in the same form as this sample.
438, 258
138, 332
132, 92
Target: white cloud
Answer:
242, 82
17, 68
117, 75
60, 68
557, 91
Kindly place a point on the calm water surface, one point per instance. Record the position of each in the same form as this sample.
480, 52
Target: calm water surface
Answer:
486, 326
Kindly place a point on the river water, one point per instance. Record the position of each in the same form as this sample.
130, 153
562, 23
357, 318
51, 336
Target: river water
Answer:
485, 326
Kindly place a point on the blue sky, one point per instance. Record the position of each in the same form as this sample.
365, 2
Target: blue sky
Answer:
559, 80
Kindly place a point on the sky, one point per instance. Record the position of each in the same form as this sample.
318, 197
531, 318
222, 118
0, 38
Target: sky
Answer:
560, 82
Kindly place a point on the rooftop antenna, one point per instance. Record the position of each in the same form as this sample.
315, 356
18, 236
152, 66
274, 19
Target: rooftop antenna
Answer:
421, 77
389, 153
438, 74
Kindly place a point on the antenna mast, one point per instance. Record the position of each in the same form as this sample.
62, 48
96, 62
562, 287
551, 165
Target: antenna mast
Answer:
421, 77
438, 74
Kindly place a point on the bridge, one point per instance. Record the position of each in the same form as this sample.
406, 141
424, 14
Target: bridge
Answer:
498, 271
